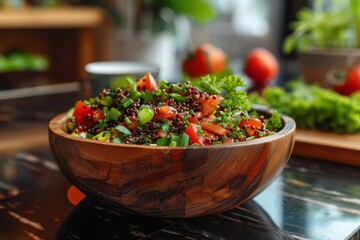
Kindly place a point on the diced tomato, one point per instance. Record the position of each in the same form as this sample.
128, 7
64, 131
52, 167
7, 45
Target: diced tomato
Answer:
166, 112
210, 135
193, 120
211, 117
227, 140
214, 127
98, 114
250, 125
74, 195
147, 82
160, 133
192, 131
195, 117
83, 114
133, 125
208, 104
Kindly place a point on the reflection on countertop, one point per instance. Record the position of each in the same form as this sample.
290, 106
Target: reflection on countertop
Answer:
310, 200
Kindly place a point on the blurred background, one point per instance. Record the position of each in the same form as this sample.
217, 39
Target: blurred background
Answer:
49, 41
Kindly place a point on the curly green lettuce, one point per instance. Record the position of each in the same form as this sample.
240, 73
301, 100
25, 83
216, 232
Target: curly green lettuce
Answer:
313, 107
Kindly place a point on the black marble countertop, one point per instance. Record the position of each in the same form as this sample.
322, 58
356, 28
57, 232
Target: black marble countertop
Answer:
309, 200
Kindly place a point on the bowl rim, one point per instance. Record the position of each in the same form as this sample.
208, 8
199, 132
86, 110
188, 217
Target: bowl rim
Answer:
289, 128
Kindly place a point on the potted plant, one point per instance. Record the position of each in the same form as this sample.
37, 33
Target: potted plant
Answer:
327, 38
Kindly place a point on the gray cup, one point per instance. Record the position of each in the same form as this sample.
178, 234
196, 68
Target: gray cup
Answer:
102, 75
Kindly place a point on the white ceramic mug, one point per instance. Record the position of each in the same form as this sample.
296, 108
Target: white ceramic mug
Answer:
102, 75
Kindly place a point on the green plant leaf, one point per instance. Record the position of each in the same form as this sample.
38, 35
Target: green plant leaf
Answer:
332, 23
289, 44
200, 10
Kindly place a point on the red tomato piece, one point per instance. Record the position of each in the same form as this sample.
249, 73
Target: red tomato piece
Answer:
133, 125
166, 112
209, 137
193, 120
83, 114
261, 66
250, 125
195, 117
192, 131
160, 133
147, 82
98, 114
208, 104
351, 83
74, 195
227, 140
214, 127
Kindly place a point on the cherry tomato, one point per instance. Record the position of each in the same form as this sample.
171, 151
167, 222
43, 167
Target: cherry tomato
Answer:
214, 127
351, 83
83, 114
250, 125
261, 66
205, 59
147, 82
208, 104
192, 131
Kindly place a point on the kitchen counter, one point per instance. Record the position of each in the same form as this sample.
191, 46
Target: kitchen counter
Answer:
309, 200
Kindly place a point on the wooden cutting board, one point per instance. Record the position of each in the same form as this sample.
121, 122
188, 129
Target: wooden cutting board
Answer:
339, 148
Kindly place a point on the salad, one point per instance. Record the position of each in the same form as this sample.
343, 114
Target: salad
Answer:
154, 113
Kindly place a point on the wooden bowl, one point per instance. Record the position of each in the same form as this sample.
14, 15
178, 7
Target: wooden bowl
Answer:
171, 181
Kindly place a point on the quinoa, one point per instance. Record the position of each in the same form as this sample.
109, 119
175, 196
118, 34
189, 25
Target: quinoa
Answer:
175, 114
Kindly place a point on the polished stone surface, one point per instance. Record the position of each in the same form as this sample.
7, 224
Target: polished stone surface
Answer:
309, 200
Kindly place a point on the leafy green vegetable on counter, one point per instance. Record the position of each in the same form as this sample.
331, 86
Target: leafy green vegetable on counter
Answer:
22, 61
313, 107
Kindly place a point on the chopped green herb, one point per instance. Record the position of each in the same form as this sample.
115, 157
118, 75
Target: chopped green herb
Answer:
123, 130
106, 101
177, 97
126, 102
274, 123
114, 114
145, 114
163, 141
184, 140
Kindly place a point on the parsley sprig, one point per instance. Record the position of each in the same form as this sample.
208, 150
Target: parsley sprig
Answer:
231, 87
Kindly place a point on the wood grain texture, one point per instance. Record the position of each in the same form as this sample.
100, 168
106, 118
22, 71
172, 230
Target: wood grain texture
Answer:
171, 181
71, 17
338, 148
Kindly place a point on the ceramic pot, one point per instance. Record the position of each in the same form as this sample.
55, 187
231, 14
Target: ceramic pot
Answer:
323, 66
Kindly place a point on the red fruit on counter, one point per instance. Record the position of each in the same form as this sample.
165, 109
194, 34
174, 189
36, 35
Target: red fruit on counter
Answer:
206, 59
261, 66
351, 83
